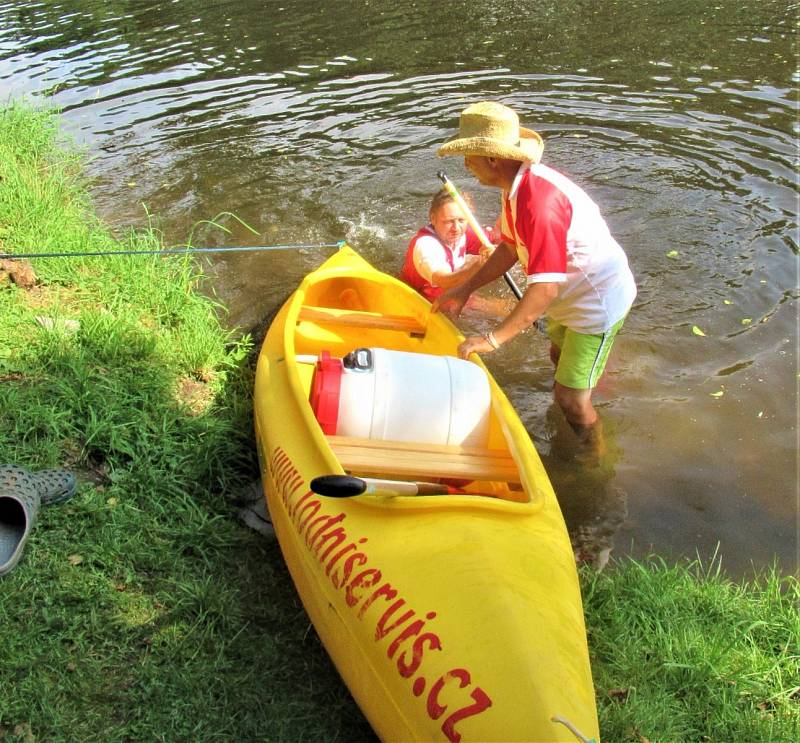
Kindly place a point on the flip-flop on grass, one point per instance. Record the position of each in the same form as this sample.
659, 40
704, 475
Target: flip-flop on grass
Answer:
19, 503
53, 485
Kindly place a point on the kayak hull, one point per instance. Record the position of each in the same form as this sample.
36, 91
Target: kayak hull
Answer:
452, 617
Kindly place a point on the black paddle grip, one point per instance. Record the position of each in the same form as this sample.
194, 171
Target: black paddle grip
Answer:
338, 486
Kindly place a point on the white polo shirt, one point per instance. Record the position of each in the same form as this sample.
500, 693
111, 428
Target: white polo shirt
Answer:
561, 237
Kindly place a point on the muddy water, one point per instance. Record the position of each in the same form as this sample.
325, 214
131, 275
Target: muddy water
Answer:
312, 122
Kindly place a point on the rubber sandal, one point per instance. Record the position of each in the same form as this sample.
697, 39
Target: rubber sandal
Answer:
54, 486
19, 504
13, 476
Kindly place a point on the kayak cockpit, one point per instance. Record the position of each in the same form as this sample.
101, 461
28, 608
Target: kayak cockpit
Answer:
338, 313
477, 470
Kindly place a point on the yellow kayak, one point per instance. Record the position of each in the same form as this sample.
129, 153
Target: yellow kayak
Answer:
452, 616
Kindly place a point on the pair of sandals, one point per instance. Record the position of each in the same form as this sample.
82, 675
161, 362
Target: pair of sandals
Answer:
21, 494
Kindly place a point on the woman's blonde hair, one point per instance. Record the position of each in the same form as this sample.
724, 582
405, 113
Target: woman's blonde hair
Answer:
442, 197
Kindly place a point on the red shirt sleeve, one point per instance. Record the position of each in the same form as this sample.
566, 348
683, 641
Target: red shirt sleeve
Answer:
473, 245
544, 214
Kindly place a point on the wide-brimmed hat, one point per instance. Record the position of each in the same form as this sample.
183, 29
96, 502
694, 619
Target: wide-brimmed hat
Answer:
491, 129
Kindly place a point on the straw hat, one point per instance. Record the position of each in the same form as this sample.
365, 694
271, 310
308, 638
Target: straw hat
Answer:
492, 130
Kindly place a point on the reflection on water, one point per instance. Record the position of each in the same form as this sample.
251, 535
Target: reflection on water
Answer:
594, 507
314, 122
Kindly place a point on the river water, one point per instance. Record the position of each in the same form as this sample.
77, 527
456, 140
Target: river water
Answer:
312, 122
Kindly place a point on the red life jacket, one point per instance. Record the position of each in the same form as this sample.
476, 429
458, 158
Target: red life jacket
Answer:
412, 277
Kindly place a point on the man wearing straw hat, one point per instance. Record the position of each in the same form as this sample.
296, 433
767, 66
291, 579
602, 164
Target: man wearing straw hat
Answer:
577, 274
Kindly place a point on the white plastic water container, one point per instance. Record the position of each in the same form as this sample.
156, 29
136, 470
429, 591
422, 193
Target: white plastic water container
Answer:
400, 396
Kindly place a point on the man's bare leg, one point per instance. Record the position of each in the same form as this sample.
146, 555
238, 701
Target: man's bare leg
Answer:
581, 415
555, 354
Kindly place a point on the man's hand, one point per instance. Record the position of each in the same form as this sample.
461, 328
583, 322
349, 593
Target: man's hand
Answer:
452, 301
474, 344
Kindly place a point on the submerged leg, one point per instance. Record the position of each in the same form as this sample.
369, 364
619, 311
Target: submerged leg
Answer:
582, 417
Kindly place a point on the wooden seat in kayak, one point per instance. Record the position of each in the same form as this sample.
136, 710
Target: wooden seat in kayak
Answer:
360, 318
419, 461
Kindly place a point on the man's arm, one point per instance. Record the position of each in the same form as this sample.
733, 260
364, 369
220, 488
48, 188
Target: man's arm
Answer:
449, 279
498, 263
531, 307
503, 257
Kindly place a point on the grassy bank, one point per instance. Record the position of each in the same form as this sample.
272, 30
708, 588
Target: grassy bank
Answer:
680, 653
142, 610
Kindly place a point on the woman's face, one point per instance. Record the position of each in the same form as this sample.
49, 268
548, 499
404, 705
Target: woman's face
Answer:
449, 222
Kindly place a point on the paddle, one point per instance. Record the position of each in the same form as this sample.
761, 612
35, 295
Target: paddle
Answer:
453, 191
347, 486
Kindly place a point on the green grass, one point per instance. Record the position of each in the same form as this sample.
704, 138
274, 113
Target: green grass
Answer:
142, 610
680, 653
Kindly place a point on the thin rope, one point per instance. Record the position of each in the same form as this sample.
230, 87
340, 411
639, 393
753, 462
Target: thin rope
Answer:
577, 733
172, 251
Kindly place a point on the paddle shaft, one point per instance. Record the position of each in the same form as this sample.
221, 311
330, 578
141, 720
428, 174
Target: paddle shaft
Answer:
482, 236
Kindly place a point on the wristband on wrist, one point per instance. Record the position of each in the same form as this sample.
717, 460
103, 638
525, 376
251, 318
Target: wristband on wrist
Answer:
492, 340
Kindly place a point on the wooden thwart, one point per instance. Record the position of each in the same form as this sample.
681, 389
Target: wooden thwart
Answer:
420, 461
359, 318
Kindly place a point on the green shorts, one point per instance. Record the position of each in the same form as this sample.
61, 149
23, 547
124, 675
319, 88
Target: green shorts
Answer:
583, 355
